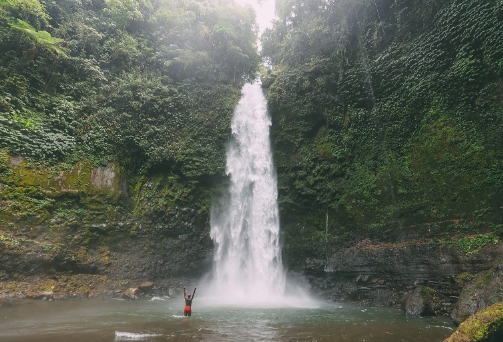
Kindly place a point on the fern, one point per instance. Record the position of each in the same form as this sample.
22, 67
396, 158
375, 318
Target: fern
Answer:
42, 38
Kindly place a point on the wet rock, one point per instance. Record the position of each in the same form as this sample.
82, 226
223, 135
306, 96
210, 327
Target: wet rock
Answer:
131, 293
381, 274
172, 291
362, 279
484, 326
484, 290
420, 302
45, 295
146, 287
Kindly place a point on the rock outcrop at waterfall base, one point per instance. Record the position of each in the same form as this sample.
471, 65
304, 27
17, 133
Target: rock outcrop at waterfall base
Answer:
423, 277
74, 232
484, 326
484, 290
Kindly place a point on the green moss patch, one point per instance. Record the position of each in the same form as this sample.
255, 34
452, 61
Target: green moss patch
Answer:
484, 326
31, 194
472, 244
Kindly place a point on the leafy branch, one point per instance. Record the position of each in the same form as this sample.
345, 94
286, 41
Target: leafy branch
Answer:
42, 38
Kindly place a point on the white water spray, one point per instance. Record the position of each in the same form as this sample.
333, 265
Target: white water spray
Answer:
248, 269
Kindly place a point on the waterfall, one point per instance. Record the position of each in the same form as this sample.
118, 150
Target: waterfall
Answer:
248, 269
245, 227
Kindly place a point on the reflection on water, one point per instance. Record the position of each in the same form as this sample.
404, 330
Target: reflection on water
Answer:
162, 320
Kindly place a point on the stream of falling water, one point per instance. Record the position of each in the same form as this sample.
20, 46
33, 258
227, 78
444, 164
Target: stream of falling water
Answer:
251, 299
248, 269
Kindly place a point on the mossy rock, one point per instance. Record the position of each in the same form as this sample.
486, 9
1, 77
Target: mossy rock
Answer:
479, 293
423, 301
484, 326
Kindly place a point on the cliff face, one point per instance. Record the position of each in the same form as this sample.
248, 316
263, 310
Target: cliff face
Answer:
387, 125
383, 274
83, 221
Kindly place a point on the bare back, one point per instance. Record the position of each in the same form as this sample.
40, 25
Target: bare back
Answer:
188, 298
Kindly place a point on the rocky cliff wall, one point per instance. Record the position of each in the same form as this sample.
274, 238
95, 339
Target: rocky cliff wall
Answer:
383, 274
80, 221
81, 230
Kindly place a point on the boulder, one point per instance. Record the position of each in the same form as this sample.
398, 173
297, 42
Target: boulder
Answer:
131, 293
173, 291
484, 326
484, 290
146, 287
422, 301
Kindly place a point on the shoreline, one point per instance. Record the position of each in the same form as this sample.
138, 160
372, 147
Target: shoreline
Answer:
85, 286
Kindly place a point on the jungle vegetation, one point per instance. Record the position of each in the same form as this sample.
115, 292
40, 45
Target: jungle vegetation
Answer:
387, 119
387, 115
121, 80
148, 84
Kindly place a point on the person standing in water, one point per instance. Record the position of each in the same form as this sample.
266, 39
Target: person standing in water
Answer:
188, 302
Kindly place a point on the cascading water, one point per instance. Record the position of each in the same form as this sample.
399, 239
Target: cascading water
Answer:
248, 269
245, 229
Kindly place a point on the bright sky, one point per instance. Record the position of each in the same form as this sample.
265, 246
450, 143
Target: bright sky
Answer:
264, 10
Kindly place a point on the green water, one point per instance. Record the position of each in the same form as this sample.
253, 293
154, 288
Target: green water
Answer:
162, 320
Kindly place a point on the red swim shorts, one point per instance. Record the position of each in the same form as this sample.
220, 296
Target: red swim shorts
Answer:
187, 311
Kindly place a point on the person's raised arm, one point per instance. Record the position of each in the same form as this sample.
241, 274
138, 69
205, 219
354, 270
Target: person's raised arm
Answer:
194, 292
184, 293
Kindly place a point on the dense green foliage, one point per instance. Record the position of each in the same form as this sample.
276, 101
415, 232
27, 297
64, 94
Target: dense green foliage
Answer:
148, 83
114, 117
388, 116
